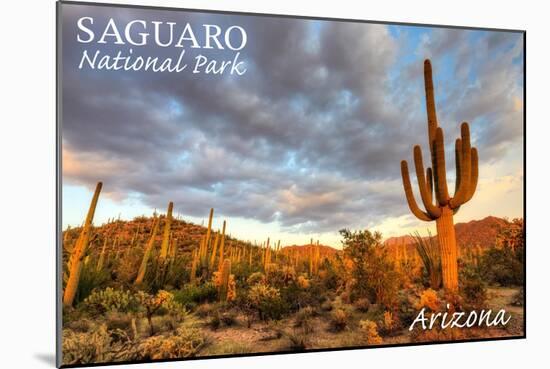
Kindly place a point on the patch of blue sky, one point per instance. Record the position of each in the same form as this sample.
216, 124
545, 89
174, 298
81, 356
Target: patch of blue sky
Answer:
76, 202
313, 41
175, 108
290, 162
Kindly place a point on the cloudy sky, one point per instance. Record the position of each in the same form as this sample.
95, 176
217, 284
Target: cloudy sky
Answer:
308, 141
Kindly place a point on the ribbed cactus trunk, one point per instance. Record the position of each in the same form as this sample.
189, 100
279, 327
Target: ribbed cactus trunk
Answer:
222, 247
447, 248
102, 256
147, 252
194, 263
224, 280
166, 236
79, 251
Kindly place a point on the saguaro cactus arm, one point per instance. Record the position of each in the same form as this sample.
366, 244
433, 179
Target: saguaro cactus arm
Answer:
429, 176
467, 168
409, 194
473, 176
430, 101
432, 210
440, 175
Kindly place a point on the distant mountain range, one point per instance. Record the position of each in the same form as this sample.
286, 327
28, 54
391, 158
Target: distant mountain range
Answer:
476, 232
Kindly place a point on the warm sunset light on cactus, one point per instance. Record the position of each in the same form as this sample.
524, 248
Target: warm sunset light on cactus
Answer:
79, 251
434, 181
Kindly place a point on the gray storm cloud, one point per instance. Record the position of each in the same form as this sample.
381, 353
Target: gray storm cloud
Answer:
311, 136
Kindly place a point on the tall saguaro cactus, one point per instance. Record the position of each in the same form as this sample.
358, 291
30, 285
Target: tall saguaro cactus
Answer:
147, 252
79, 251
434, 181
166, 235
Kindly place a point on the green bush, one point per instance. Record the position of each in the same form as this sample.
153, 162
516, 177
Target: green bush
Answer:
374, 273
90, 279
109, 300
192, 295
472, 288
501, 266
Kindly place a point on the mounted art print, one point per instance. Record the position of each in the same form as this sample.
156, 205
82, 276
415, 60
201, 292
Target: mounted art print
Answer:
248, 184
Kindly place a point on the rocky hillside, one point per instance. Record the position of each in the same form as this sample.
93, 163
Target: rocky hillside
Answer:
482, 232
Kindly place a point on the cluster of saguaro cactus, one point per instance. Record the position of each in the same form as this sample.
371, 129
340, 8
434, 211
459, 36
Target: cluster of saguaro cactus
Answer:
205, 256
79, 251
433, 181
315, 255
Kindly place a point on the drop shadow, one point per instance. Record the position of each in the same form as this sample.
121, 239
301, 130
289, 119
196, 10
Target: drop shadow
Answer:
46, 358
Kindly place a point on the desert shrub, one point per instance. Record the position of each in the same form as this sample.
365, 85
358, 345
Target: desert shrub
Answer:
109, 299
214, 322
330, 278
376, 278
431, 258
128, 266
80, 325
204, 310
116, 320
228, 318
255, 278
167, 323
338, 320
90, 279
296, 297
152, 304
472, 289
501, 266
281, 277
303, 282
350, 292
452, 301
304, 318
326, 306
99, 345
370, 329
407, 302
173, 308
438, 334
183, 343
191, 294
430, 300
178, 272
297, 340
362, 305
389, 324
266, 301
219, 319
